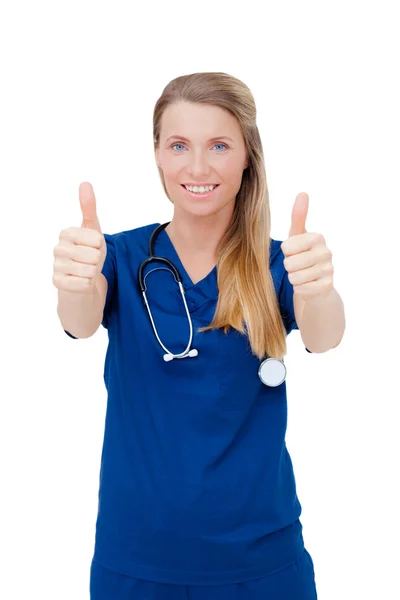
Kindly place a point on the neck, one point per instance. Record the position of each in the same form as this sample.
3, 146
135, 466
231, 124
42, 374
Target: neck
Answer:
198, 234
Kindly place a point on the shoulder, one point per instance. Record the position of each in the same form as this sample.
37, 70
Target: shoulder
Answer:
127, 239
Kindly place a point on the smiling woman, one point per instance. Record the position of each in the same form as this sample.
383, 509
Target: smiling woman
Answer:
197, 492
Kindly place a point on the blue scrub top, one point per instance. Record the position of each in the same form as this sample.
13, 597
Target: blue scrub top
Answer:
196, 482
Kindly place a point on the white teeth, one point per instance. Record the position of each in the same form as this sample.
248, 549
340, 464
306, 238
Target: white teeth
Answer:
200, 189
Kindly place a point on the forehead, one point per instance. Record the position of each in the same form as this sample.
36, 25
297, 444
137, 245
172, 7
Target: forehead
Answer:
198, 121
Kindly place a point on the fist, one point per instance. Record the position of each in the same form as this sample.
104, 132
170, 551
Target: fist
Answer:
308, 260
81, 251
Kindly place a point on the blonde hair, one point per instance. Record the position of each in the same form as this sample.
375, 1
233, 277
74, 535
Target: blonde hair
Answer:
247, 299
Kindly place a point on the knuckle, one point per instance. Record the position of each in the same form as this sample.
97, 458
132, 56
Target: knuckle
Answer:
97, 255
85, 270
286, 264
67, 233
94, 238
92, 271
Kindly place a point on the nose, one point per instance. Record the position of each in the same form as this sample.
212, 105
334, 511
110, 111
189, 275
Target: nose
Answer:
198, 165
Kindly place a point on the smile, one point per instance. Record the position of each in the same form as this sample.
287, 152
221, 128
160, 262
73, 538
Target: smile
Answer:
199, 194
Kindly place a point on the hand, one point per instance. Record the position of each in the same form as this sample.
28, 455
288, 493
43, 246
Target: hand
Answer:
81, 251
308, 260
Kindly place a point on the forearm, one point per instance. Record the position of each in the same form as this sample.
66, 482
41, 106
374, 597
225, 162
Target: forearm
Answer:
80, 314
322, 322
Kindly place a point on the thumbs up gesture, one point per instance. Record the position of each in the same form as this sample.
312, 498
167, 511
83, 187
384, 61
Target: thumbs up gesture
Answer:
307, 258
81, 251
87, 201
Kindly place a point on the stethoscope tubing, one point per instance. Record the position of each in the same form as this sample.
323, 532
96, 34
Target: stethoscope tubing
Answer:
264, 367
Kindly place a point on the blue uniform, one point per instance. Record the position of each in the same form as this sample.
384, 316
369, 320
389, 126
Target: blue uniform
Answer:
196, 483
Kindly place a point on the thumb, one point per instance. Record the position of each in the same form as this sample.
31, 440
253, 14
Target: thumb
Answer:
87, 201
299, 215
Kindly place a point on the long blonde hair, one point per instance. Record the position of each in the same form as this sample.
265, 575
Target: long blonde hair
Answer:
247, 299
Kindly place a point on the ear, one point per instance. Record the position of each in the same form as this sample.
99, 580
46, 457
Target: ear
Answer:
157, 157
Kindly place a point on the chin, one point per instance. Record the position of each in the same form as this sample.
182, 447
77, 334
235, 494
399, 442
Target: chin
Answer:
201, 211
205, 212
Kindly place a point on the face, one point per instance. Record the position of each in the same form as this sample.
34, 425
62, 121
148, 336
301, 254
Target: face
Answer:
201, 144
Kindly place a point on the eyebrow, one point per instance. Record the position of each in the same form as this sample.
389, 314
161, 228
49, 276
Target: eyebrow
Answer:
180, 137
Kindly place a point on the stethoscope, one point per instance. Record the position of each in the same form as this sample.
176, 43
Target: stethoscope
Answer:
272, 372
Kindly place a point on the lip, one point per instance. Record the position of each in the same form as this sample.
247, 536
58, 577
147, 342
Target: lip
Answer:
197, 195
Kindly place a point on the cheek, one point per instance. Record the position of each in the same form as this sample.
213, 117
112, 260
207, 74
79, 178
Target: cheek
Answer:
231, 172
171, 171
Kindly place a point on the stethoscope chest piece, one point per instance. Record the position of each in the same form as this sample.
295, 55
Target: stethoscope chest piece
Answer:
272, 372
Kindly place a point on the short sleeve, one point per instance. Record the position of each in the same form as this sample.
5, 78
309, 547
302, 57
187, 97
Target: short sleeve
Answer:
286, 298
109, 272
286, 302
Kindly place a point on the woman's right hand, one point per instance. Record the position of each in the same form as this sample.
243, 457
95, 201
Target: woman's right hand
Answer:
81, 251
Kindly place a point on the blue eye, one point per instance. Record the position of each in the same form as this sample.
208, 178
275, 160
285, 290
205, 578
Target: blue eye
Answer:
219, 144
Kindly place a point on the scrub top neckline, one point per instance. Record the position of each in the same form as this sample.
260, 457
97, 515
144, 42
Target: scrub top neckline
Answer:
197, 293
189, 283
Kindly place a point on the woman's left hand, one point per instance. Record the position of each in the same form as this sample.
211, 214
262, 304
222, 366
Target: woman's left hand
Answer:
308, 259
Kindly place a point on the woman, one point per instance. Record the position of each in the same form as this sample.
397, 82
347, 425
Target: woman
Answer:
197, 493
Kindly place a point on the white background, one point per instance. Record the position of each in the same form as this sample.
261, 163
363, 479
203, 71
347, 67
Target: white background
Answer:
79, 82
